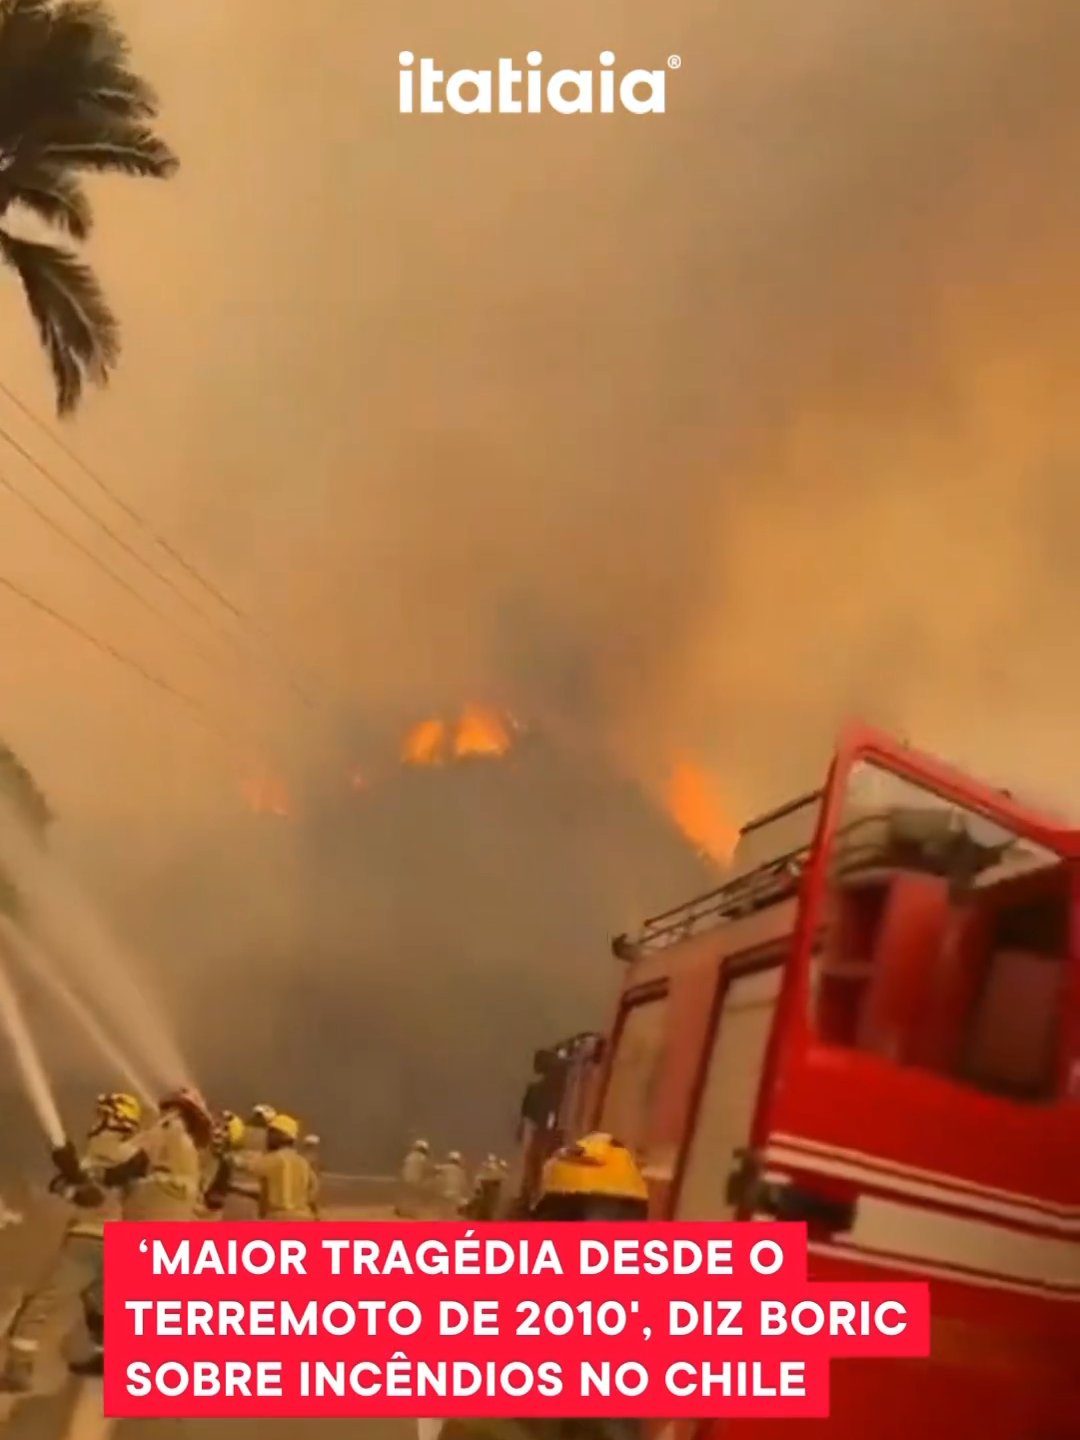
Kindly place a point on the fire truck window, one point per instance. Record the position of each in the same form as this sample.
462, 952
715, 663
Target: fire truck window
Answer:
1010, 1044
635, 1070
944, 940
843, 960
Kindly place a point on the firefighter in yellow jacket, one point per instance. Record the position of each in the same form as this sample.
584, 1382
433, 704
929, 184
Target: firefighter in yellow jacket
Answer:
160, 1179
163, 1179
288, 1184
595, 1179
77, 1273
228, 1138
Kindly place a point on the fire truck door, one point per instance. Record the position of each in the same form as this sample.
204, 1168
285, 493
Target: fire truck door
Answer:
725, 1109
914, 1106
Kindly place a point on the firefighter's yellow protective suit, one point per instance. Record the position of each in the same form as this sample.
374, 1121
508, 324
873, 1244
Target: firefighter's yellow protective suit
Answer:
287, 1184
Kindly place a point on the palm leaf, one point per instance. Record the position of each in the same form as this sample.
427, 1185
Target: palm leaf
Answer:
85, 44
56, 197
62, 59
78, 331
102, 143
118, 92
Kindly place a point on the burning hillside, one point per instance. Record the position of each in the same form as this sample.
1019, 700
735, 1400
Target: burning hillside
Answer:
689, 795
436, 916
477, 731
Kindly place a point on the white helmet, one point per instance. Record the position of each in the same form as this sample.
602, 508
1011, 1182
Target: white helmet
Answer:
420, 1145
454, 1157
492, 1160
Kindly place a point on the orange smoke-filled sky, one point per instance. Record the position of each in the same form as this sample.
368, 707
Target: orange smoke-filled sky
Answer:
686, 435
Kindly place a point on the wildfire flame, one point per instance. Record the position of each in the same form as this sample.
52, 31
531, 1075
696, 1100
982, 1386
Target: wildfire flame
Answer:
480, 732
694, 803
266, 795
424, 744
476, 732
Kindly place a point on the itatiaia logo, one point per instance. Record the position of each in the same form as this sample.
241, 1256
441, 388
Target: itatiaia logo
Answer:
569, 92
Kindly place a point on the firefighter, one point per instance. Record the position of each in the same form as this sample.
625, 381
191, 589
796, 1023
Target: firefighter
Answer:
417, 1167
229, 1133
77, 1273
256, 1126
453, 1182
227, 1139
595, 1179
163, 1179
487, 1189
160, 1180
415, 1184
311, 1149
236, 1137
287, 1184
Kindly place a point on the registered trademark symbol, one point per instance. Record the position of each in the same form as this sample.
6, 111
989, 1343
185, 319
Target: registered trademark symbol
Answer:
674, 61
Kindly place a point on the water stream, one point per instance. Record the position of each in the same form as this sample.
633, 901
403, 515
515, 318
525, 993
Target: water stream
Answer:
68, 933
28, 1061
41, 966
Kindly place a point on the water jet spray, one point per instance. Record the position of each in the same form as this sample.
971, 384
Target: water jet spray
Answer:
32, 1072
38, 963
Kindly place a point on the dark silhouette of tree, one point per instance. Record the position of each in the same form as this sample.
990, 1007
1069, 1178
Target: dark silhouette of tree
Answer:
69, 104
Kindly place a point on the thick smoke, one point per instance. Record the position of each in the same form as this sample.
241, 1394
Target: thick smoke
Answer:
690, 433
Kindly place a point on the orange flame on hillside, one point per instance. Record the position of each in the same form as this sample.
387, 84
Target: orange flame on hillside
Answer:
424, 744
476, 732
693, 802
265, 795
480, 732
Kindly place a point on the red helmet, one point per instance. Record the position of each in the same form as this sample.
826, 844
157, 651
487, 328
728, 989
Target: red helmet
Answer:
195, 1111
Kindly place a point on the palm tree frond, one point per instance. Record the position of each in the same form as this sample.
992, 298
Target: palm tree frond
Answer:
56, 57
24, 26
57, 198
118, 92
113, 145
79, 332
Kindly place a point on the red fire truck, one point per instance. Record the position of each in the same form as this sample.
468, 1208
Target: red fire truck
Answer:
873, 1025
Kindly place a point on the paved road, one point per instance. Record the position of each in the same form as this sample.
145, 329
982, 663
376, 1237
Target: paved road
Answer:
75, 1414
69, 1409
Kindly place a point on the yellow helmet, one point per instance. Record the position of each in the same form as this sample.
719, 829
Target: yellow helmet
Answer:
120, 1109
285, 1125
232, 1130
597, 1165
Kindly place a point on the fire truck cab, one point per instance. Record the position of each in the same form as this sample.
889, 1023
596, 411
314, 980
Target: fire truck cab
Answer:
873, 1026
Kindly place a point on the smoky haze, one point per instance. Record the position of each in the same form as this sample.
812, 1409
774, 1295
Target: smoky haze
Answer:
676, 435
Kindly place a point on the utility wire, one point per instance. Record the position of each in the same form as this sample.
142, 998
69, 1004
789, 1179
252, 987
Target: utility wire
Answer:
106, 569
140, 520
103, 525
191, 705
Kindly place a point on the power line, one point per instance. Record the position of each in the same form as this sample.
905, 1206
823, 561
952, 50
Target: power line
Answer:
106, 569
191, 705
140, 520
104, 526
